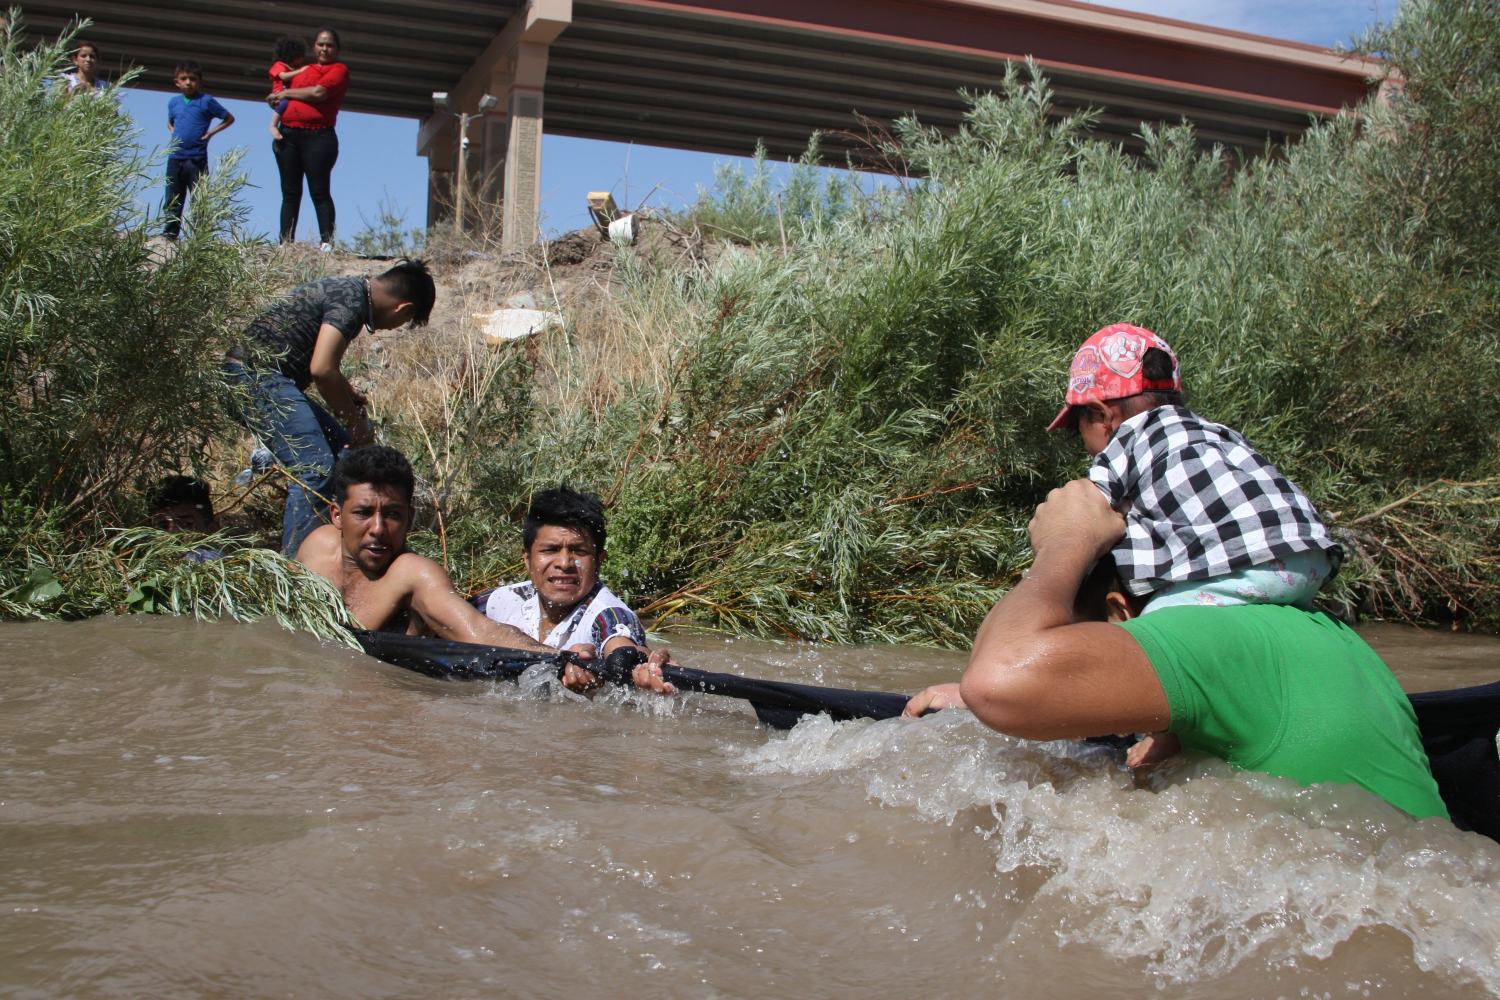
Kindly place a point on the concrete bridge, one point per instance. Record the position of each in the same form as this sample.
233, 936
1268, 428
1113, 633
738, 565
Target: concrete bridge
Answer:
720, 75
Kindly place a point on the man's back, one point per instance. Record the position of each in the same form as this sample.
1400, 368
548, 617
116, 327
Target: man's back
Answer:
1289, 692
288, 330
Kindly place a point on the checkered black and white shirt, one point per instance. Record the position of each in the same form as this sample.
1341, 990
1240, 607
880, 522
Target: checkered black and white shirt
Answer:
1199, 502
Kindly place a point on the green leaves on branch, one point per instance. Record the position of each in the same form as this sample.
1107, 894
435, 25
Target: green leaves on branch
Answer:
110, 341
145, 571
847, 440
37, 588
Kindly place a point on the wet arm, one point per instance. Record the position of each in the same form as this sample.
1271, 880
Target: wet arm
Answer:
1034, 673
452, 617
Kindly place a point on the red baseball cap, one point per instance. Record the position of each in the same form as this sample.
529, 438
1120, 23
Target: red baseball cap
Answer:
1108, 366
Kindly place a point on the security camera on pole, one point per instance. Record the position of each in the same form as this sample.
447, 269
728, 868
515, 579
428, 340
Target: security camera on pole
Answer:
487, 104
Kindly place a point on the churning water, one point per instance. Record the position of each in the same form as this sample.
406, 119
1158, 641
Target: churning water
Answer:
191, 810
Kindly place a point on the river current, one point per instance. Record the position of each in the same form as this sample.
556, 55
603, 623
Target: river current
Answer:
192, 809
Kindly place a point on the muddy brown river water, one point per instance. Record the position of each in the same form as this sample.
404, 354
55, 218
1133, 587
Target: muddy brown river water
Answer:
196, 809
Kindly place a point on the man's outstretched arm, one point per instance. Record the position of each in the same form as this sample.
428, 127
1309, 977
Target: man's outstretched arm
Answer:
451, 617
1036, 674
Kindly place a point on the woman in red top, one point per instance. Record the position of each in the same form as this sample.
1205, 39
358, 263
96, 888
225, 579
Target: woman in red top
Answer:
308, 146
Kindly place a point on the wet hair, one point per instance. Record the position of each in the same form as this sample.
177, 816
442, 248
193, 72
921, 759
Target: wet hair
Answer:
373, 465
87, 45
178, 491
290, 48
564, 507
409, 281
188, 66
329, 31
1089, 604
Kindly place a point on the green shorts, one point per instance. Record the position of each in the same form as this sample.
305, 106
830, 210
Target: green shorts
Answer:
1290, 692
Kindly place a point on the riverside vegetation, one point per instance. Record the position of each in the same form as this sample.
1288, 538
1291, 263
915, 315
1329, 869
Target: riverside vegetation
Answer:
826, 423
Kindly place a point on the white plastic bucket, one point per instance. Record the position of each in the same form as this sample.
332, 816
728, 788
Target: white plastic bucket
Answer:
622, 230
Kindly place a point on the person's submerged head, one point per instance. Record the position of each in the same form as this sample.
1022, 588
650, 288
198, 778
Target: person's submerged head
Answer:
188, 78
563, 539
1102, 596
182, 503
291, 50
402, 295
326, 45
1121, 370
372, 491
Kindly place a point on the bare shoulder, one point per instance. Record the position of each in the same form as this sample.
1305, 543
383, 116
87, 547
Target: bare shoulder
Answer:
415, 570
319, 551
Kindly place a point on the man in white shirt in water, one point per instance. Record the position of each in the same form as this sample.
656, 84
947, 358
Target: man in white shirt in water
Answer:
563, 603
388, 587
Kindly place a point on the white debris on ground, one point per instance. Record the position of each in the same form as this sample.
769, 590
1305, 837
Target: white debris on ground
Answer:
513, 324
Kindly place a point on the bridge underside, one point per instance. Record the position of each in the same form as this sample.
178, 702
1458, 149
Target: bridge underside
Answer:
720, 75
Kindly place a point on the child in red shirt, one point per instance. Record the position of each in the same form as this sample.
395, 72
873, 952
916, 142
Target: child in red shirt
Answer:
291, 59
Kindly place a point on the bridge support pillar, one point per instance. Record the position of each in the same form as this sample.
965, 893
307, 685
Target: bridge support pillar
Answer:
522, 190
505, 150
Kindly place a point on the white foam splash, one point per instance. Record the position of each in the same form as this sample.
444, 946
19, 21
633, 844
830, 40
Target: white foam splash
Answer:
1202, 872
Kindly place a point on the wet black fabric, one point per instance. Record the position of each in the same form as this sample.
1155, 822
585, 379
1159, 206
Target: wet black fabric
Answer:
454, 660
778, 704
1458, 732
1458, 727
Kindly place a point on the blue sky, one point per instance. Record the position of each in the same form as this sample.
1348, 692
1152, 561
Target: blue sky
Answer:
378, 161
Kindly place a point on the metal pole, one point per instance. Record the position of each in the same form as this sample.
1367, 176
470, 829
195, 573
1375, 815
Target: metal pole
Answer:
463, 172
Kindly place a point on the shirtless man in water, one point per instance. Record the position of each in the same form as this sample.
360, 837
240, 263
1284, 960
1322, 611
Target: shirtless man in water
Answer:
386, 587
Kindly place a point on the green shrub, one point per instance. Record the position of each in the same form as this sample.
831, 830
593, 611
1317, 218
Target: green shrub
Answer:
850, 441
109, 344
752, 208
388, 235
144, 571
111, 349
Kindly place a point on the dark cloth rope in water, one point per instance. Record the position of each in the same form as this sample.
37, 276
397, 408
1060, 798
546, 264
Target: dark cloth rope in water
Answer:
1458, 727
778, 704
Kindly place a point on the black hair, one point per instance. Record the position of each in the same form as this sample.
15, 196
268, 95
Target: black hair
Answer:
175, 491
409, 281
1156, 365
188, 66
88, 45
374, 465
328, 31
1089, 604
564, 507
290, 48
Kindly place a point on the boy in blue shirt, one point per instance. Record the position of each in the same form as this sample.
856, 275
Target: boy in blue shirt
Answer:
190, 117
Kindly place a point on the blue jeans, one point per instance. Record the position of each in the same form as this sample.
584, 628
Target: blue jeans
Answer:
302, 435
